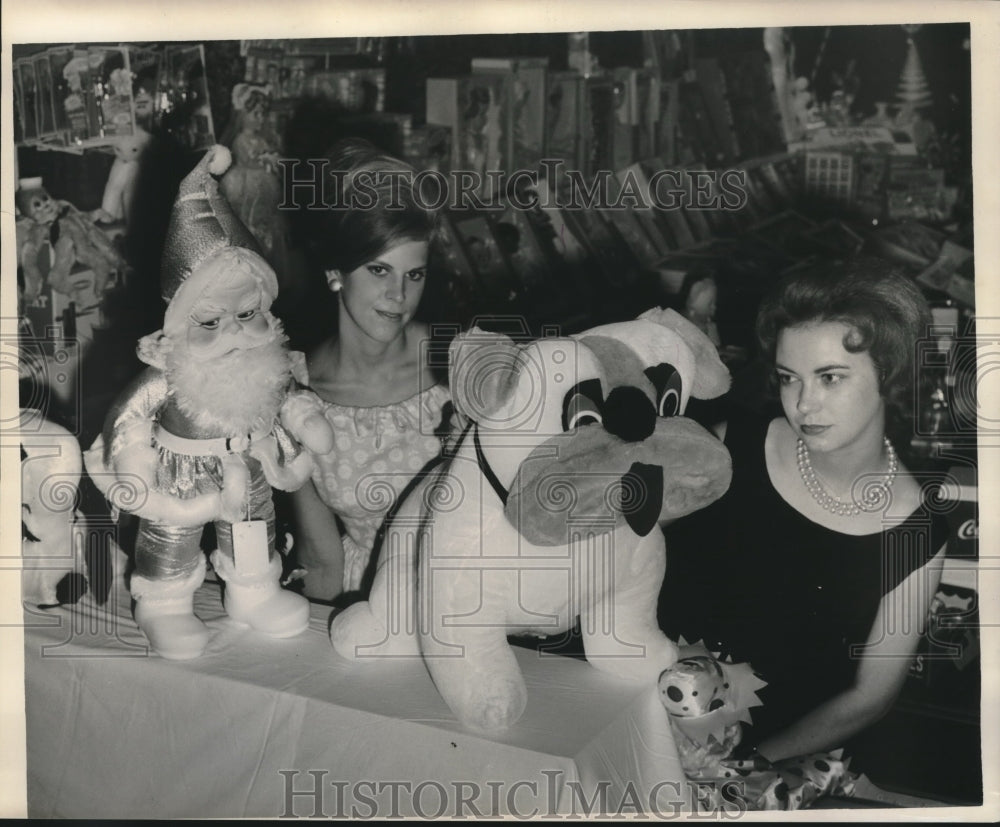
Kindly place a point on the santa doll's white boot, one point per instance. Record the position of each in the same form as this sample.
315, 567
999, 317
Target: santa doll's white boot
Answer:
257, 599
164, 612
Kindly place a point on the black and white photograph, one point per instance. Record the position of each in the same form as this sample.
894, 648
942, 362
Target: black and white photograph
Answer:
626, 397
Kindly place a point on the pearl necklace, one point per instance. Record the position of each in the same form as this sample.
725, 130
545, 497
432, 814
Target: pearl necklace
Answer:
874, 496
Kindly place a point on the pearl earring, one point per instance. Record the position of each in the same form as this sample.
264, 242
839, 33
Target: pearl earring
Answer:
333, 279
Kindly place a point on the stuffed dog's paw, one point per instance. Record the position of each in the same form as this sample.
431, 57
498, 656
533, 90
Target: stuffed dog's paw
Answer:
356, 633
487, 701
497, 707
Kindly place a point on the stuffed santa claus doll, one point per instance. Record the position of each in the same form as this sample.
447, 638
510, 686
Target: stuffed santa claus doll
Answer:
208, 428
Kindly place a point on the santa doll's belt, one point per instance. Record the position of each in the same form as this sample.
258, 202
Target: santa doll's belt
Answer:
218, 447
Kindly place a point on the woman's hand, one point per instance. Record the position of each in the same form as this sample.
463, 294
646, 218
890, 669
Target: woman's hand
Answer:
320, 582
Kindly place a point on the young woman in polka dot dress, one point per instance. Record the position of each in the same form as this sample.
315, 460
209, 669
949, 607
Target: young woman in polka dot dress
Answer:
378, 393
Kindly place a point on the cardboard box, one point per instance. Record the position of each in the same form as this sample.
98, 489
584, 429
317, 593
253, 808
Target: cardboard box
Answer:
527, 91
563, 118
24, 76
463, 282
830, 176
960, 491
112, 78
357, 90
74, 95
517, 239
625, 124
650, 110
630, 182
618, 263
753, 101
428, 147
597, 126
476, 109
46, 92
192, 126
635, 236
950, 645
488, 259
712, 83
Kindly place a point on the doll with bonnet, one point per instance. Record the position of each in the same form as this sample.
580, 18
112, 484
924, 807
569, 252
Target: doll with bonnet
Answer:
204, 432
252, 185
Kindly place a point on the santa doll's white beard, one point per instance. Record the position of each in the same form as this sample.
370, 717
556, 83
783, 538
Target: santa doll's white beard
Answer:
237, 393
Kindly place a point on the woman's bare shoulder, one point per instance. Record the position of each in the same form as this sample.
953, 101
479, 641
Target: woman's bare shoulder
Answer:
321, 364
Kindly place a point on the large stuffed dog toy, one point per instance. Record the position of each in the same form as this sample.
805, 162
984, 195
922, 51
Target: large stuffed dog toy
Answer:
547, 511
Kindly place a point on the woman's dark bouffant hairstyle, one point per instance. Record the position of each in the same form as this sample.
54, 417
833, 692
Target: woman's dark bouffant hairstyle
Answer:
351, 236
885, 309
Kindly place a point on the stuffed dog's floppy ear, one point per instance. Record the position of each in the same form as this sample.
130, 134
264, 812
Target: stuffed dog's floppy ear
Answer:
711, 377
482, 373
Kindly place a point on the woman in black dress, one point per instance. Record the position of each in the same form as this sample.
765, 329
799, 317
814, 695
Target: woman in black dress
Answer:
819, 564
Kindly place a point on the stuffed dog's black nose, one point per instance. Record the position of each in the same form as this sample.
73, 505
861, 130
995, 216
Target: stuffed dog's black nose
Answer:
628, 414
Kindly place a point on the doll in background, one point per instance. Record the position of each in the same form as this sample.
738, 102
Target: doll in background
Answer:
252, 185
53, 237
120, 188
697, 300
474, 117
207, 429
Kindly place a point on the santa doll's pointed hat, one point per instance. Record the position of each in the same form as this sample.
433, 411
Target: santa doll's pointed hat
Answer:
202, 226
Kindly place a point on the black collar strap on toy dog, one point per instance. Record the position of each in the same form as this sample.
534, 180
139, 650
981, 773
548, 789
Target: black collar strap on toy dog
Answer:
484, 466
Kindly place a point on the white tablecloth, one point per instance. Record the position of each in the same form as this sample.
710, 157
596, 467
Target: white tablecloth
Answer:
268, 728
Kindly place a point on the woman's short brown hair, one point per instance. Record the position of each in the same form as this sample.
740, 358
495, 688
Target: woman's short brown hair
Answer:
884, 308
393, 213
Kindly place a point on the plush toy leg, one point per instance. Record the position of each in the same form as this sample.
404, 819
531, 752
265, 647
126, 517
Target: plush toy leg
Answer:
637, 651
385, 626
619, 628
49, 558
463, 637
356, 633
478, 676
164, 612
257, 599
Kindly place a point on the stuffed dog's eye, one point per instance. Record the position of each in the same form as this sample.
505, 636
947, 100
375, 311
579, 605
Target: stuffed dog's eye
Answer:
667, 382
670, 400
582, 405
582, 411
